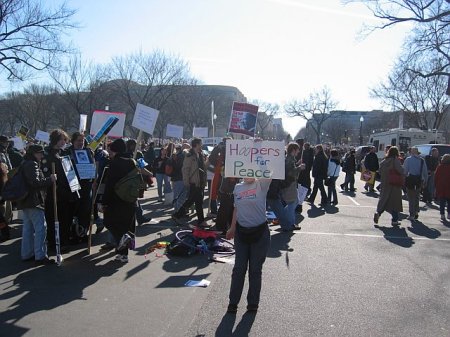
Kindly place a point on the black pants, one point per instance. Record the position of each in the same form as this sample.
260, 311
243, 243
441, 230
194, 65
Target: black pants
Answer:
304, 179
195, 196
225, 212
65, 218
318, 185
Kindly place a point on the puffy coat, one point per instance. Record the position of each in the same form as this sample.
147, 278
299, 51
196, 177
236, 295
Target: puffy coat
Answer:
442, 181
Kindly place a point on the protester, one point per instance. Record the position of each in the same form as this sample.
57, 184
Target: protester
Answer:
416, 176
3, 222
442, 185
119, 215
307, 158
150, 156
159, 168
432, 162
34, 228
319, 173
194, 178
250, 231
349, 167
65, 198
289, 191
334, 168
15, 156
371, 164
390, 199
82, 207
5, 206
179, 192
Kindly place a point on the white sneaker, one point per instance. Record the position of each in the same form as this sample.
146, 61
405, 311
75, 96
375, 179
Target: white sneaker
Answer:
124, 241
121, 258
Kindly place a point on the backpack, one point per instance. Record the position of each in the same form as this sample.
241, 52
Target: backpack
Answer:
178, 248
128, 188
15, 188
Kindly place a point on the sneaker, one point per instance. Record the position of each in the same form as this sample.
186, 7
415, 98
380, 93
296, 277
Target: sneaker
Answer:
443, 217
121, 258
232, 308
376, 216
395, 223
124, 241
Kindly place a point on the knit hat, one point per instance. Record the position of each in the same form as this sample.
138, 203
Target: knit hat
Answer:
34, 148
118, 146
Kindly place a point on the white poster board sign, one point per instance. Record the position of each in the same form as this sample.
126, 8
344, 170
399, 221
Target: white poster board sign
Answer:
70, 174
42, 136
83, 123
18, 143
99, 119
145, 118
200, 132
254, 159
174, 131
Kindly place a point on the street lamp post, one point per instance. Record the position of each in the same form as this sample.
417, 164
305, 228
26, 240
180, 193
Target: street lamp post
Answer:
361, 120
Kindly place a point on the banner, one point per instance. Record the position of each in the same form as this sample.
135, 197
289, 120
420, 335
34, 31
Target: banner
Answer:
174, 131
102, 133
243, 119
254, 159
70, 173
18, 143
42, 136
145, 118
99, 119
200, 132
83, 123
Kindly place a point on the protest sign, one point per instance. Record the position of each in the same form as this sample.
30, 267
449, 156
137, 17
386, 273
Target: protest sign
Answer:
83, 123
174, 131
18, 143
70, 173
254, 159
99, 119
243, 119
42, 136
145, 118
23, 132
102, 133
86, 171
200, 132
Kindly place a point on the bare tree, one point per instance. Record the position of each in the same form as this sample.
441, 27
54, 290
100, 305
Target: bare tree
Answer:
30, 36
430, 34
315, 109
149, 79
422, 99
266, 113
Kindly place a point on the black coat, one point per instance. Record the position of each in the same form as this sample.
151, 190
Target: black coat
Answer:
320, 166
349, 165
371, 162
36, 182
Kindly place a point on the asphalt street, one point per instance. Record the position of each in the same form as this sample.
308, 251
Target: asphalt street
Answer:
339, 276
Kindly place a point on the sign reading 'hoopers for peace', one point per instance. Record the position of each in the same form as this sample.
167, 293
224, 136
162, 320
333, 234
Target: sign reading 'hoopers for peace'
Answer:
254, 159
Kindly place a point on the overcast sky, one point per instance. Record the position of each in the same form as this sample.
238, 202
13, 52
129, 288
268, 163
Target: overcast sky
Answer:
271, 50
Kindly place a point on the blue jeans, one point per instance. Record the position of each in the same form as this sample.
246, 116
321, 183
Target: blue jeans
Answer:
289, 212
34, 232
251, 256
179, 194
277, 207
160, 178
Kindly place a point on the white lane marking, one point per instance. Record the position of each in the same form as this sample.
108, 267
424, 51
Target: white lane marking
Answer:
359, 206
353, 200
373, 236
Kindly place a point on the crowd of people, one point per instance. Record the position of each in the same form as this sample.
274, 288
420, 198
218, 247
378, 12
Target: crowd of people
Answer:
182, 172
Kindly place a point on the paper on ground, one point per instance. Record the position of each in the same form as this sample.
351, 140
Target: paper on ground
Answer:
195, 283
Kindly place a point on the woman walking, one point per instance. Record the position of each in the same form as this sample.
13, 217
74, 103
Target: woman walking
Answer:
390, 199
334, 168
159, 167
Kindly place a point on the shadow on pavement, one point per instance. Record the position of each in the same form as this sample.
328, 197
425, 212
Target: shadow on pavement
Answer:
47, 287
419, 228
315, 212
279, 243
225, 328
397, 236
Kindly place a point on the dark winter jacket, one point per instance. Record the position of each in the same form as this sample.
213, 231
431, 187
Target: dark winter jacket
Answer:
432, 163
349, 165
36, 182
119, 167
177, 162
320, 166
371, 162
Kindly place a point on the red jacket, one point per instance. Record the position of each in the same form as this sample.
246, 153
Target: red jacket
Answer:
442, 181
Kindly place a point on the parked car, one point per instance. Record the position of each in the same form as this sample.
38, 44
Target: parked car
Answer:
425, 149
